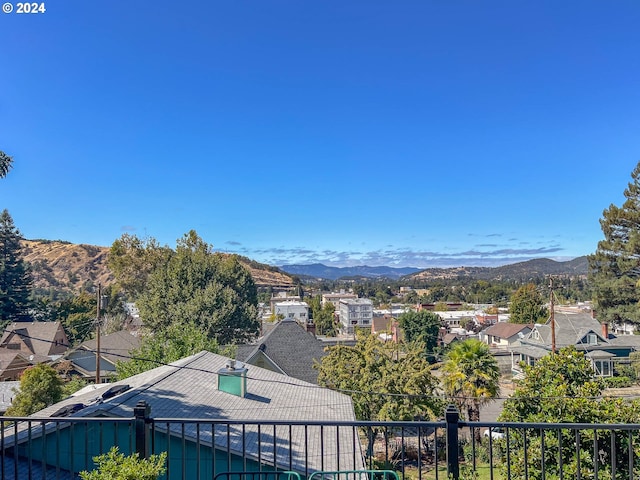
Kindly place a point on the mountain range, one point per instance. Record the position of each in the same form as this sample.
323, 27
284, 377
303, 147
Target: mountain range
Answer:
521, 271
321, 271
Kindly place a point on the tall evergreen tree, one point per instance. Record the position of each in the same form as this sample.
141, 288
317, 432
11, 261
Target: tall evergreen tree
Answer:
614, 269
5, 164
15, 275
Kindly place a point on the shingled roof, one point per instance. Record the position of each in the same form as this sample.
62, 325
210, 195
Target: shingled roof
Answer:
187, 389
288, 348
114, 347
506, 330
43, 339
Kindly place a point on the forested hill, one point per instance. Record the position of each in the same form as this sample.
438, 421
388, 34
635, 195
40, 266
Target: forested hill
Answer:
522, 271
69, 267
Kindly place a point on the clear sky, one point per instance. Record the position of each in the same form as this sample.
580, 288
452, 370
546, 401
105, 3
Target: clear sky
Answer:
348, 132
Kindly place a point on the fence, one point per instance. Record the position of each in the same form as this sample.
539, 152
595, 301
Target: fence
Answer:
60, 447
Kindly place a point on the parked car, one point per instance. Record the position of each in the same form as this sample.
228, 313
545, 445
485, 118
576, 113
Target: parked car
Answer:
495, 432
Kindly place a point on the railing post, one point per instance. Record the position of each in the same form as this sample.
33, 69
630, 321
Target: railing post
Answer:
452, 417
142, 412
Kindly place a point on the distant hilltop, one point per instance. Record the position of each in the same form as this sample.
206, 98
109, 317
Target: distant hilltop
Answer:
521, 271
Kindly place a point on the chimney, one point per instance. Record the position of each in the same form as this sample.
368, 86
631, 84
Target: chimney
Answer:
605, 330
233, 379
311, 328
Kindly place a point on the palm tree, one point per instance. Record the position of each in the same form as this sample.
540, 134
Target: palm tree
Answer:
471, 377
5, 164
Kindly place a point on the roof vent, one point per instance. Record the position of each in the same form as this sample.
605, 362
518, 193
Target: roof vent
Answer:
233, 378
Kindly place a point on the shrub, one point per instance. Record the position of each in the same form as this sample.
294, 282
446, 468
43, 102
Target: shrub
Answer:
617, 382
118, 466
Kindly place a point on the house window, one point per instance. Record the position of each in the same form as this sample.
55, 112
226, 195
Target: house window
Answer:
603, 368
592, 339
535, 335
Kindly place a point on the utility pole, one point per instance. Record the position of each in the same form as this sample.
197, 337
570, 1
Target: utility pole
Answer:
99, 299
553, 320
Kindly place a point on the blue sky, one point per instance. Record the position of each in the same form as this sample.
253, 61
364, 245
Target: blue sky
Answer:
410, 133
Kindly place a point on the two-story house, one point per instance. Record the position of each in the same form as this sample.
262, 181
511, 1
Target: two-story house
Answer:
581, 331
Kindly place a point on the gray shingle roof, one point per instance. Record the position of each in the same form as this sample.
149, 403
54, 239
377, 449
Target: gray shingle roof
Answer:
570, 330
290, 347
113, 347
187, 389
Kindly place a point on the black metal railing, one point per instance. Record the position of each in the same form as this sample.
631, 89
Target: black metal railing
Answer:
60, 448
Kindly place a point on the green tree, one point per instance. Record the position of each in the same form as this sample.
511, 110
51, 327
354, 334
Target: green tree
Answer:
132, 259
422, 326
471, 377
177, 341
77, 316
614, 269
384, 384
40, 386
527, 306
15, 276
323, 316
562, 388
211, 290
5, 164
118, 466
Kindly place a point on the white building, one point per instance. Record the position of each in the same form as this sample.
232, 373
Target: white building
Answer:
335, 298
299, 311
355, 312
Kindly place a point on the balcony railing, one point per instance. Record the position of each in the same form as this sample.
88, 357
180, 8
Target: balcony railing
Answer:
59, 448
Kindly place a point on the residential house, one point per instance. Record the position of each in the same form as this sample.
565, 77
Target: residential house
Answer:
12, 364
40, 341
383, 326
288, 348
355, 312
236, 401
504, 335
583, 332
456, 318
114, 347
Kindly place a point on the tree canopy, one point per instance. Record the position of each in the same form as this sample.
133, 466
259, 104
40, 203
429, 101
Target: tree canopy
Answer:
528, 306
40, 386
132, 259
383, 383
15, 276
614, 269
422, 326
323, 316
210, 290
561, 388
177, 341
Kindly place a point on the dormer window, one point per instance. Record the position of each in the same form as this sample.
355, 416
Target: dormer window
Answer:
592, 339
